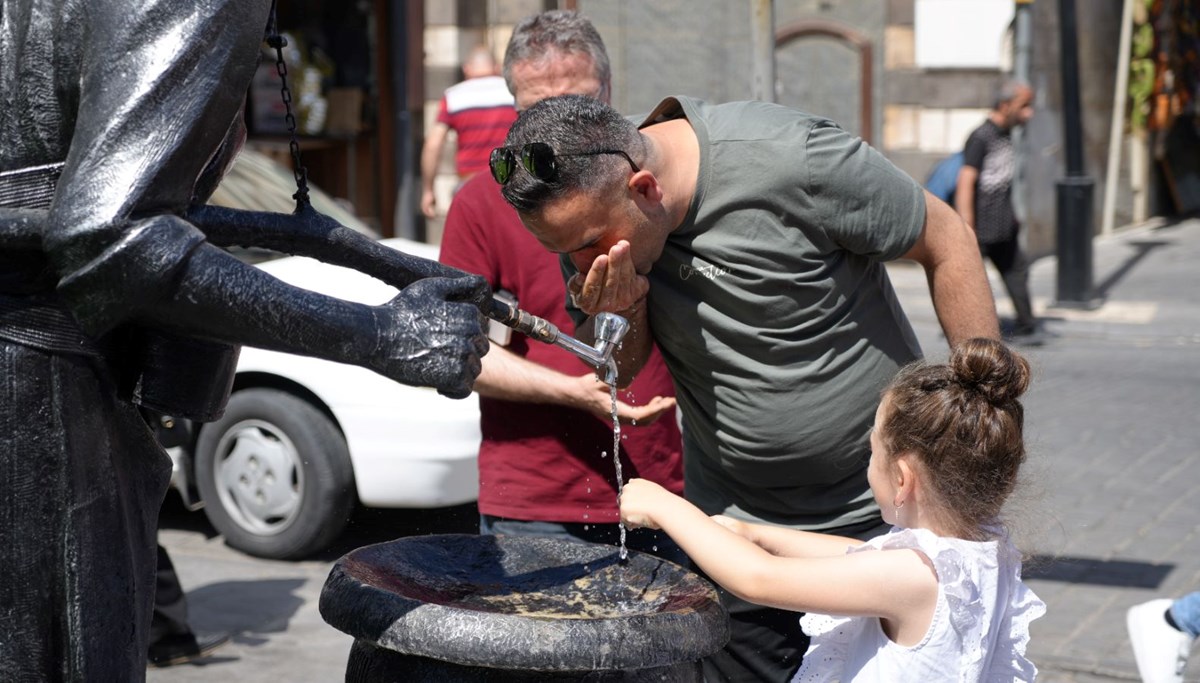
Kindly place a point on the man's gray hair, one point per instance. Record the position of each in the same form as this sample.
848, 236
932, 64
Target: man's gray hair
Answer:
557, 31
1008, 90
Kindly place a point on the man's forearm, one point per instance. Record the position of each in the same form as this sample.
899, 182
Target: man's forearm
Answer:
965, 205
964, 194
431, 153
961, 294
509, 377
958, 283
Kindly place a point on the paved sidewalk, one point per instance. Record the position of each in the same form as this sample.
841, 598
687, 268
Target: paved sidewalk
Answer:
1109, 506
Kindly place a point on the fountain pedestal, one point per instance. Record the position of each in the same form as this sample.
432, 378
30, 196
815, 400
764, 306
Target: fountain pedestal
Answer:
519, 608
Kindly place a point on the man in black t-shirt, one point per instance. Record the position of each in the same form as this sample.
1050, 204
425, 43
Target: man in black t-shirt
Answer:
984, 198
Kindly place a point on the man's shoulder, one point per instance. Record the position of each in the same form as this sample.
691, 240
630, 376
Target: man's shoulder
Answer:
752, 110
481, 194
478, 206
477, 93
986, 131
752, 121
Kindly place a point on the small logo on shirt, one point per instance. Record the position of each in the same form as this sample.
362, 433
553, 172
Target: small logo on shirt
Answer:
711, 272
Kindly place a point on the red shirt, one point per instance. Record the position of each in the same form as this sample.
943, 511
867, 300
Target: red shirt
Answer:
543, 462
480, 111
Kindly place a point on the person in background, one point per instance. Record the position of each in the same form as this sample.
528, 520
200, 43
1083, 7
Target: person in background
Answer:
1162, 633
748, 240
983, 197
479, 110
937, 598
172, 640
545, 417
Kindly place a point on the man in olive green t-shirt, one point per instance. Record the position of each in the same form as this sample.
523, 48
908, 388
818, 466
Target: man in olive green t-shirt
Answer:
748, 239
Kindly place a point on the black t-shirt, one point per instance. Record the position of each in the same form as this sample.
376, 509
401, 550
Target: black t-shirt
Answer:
990, 150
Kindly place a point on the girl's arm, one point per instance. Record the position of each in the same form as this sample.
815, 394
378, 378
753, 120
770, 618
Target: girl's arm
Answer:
898, 585
788, 542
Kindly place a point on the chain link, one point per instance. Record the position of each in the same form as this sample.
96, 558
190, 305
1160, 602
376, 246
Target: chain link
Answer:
299, 171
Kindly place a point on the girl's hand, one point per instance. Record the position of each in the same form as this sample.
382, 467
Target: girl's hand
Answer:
640, 499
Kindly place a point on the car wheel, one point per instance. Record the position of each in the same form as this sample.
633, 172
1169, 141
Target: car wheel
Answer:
275, 475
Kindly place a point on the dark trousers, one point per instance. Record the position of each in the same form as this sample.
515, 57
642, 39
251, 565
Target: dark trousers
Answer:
1010, 260
765, 643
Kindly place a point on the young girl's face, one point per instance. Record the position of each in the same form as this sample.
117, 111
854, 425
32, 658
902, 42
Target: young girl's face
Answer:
879, 471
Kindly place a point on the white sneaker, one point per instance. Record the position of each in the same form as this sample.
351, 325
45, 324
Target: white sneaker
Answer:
1161, 650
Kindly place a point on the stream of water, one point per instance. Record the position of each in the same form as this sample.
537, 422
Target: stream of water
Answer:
616, 450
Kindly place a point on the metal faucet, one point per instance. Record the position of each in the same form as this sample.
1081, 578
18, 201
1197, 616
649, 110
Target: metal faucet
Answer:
610, 330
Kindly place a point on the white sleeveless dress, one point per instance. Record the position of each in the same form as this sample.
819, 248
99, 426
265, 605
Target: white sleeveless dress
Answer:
979, 631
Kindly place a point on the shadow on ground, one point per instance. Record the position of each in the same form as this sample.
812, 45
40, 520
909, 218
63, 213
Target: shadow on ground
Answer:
366, 527
1088, 570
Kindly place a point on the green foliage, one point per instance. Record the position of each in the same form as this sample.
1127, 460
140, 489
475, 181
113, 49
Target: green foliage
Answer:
1141, 73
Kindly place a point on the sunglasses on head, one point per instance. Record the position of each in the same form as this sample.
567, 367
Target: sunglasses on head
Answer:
538, 158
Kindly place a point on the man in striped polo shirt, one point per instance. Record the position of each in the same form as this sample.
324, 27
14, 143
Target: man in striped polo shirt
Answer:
479, 110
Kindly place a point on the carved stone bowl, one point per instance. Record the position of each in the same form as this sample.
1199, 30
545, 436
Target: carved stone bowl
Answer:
519, 603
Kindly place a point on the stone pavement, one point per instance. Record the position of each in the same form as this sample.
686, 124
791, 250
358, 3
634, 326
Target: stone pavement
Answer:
1108, 510
270, 607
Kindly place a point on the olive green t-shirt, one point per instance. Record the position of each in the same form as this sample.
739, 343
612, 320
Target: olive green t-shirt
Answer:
775, 314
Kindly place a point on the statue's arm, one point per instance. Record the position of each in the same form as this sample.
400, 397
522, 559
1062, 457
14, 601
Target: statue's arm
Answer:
313, 234
430, 334
162, 84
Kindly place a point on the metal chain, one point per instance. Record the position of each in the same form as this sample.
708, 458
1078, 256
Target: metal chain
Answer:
299, 171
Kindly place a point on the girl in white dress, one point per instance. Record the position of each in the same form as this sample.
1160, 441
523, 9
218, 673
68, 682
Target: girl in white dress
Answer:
940, 596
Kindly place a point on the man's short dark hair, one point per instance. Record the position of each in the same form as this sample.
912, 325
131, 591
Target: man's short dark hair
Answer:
571, 124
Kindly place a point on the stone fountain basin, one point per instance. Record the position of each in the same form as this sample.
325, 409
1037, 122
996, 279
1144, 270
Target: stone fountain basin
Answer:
524, 602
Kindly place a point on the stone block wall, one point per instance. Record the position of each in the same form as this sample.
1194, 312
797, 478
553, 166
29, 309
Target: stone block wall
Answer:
918, 115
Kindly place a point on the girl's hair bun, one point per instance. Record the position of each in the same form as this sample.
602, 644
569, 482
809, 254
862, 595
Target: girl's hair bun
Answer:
991, 369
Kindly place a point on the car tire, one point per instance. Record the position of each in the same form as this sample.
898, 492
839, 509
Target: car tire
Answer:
275, 475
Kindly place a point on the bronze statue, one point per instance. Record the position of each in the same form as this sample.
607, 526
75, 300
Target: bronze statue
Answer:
117, 119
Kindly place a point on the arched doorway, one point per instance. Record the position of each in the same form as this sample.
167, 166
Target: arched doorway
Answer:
826, 78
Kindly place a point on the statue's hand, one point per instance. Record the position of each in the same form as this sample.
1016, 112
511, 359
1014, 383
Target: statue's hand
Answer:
432, 334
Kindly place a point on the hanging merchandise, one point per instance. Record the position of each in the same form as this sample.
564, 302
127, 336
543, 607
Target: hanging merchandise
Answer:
1174, 112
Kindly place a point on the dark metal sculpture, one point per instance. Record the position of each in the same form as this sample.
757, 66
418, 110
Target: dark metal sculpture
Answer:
117, 119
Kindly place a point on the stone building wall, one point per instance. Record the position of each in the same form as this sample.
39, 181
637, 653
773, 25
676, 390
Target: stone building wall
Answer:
918, 115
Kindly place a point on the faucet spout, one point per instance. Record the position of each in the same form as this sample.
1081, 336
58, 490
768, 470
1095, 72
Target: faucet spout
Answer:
610, 329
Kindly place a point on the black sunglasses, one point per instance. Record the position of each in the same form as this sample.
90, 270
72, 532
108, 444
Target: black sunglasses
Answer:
538, 158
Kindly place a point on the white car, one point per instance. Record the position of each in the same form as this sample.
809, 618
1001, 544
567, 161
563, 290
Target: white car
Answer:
302, 439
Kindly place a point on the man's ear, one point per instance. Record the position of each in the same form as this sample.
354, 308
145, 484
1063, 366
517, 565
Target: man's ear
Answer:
643, 184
